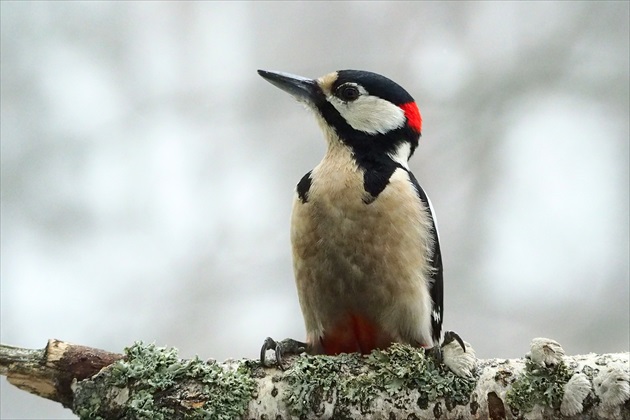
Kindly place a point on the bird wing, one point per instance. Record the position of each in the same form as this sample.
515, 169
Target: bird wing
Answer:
436, 287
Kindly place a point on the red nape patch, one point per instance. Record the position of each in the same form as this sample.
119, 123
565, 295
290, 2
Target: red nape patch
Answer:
354, 334
414, 120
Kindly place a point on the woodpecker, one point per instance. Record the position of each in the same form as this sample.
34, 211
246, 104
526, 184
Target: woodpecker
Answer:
366, 251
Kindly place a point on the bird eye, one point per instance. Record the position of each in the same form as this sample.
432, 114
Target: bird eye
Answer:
348, 92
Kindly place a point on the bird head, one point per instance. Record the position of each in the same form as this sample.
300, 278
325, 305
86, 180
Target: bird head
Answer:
369, 113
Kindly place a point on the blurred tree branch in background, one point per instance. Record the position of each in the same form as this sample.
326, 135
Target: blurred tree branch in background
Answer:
400, 382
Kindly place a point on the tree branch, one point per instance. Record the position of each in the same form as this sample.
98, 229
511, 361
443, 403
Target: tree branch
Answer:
400, 382
49, 372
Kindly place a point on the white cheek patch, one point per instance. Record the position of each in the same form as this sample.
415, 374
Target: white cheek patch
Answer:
370, 114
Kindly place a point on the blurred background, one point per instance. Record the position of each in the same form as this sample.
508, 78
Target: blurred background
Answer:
148, 171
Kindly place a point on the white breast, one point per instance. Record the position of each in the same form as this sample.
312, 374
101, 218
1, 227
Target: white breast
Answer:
353, 256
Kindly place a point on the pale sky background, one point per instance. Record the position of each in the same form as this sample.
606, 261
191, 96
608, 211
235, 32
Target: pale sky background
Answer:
148, 171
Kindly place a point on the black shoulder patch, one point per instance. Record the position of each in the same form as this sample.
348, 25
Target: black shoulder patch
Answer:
377, 170
304, 186
375, 181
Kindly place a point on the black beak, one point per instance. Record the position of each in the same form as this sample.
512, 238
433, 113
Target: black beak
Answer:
301, 88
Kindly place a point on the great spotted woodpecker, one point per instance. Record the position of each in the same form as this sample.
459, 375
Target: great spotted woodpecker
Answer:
366, 252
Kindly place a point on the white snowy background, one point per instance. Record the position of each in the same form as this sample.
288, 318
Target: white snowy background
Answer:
148, 171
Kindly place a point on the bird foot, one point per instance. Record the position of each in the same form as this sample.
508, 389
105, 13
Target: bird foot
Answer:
450, 336
282, 348
455, 354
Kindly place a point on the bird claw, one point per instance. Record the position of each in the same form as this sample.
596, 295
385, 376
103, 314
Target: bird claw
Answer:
457, 355
287, 346
459, 359
436, 351
450, 336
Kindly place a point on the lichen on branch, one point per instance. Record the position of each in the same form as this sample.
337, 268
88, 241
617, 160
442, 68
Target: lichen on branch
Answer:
153, 382
354, 381
150, 382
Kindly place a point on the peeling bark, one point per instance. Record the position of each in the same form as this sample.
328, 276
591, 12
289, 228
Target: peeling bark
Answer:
151, 382
49, 372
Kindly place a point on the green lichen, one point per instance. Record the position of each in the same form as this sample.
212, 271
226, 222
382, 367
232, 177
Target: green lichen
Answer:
354, 381
539, 386
152, 383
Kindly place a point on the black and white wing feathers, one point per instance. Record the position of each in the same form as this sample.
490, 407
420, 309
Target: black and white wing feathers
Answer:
436, 287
